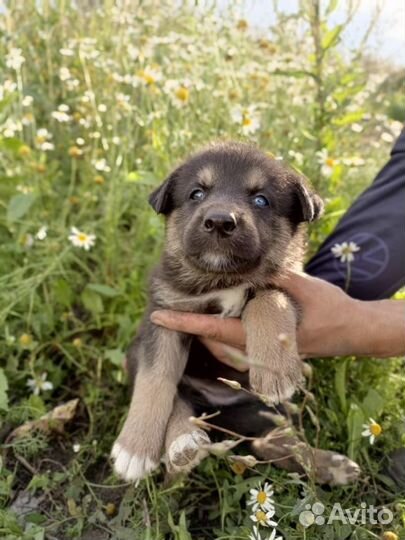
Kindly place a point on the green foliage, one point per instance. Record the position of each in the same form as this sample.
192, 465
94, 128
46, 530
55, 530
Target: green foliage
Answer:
96, 107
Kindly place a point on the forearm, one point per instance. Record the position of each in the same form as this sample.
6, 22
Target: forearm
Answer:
379, 329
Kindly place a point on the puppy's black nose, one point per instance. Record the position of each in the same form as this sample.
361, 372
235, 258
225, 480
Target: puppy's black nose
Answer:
225, 224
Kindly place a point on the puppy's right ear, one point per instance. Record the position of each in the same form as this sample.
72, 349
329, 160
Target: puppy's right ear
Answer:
161, 200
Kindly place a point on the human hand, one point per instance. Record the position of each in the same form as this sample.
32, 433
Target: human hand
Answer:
331, 323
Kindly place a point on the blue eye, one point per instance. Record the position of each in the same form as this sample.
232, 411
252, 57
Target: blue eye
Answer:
260, 201
197, 195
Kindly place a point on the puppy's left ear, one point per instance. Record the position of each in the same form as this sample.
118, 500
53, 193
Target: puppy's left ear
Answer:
308, 204
161, 200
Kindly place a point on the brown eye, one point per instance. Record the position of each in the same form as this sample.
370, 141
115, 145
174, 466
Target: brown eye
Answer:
197, 195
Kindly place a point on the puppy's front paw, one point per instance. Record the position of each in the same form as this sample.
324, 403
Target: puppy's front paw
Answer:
276, 386
131, 466
134, 457
186, 451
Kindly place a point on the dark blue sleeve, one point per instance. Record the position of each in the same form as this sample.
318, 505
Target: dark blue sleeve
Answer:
376, 223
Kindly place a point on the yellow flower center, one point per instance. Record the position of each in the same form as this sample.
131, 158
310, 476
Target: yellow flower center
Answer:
330, 162
82, 237
25, 339
147, 77
182, 93
260, 515
246, 121
375, 429
261, 497
238, 468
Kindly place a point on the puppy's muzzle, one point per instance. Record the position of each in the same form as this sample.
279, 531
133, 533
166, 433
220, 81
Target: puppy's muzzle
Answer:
223, 223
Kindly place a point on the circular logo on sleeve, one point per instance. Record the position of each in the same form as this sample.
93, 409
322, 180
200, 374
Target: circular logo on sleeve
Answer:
370, 261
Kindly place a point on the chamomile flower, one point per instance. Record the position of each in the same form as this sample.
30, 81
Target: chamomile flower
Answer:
39, 384
42, 233
61, 115
255, 534
43, 140
101, 165
247, 118
372, 430
261, 498
14, 59
149, 76
345, 251
181, 96
82, 239
327, 162
264, 518
273, 536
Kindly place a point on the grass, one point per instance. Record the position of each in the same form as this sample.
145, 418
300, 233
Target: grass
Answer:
96, 107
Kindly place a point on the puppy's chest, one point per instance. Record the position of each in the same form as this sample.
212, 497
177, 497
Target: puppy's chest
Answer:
226, 302
222, 302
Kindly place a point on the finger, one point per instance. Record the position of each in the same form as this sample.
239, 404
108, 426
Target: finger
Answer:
229, 331
222, 353
298, 284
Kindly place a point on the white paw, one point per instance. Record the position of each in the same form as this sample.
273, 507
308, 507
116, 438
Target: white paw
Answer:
344, 471
187, 451
131, 467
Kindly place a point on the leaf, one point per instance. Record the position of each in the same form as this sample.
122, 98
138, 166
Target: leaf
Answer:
115, 356
331, 7
142, 177
53, 421
63, 292
92, 301
340, 383
19, 206
3, 391
355, 421
331, 37
349, 118
11, 143
372, 404
104, 290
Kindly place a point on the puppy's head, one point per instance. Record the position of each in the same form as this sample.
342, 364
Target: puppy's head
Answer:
232, 208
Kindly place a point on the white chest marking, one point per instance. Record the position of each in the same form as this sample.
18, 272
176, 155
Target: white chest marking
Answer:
232, 300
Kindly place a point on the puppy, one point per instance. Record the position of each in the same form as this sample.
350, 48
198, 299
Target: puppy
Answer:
234, 221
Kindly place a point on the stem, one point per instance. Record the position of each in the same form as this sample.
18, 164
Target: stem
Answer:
348, 276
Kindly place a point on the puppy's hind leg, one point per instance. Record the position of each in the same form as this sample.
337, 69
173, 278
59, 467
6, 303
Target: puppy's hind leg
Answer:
184, 440
162, 359
290, 453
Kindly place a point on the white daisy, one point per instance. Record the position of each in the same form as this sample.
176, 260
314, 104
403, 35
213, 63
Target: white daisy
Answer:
60, 116
27, 101
261, 498
14, 59
39, 384
42, 233
326, 161
82, 239
247, 118
273, 536
264, 518
372, 430
255, 534
345, 251
101, 165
